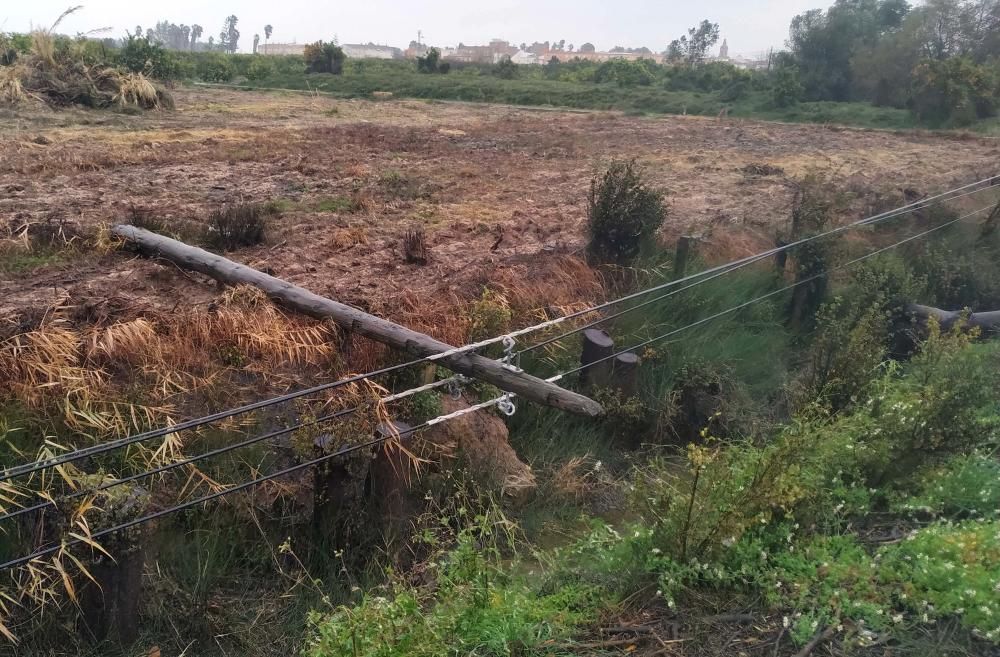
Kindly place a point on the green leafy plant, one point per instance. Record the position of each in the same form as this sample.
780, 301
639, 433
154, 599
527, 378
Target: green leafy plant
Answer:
323, 57
623, 213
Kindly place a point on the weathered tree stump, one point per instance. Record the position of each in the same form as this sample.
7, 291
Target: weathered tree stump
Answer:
682, 255
597, 347
415, 246
388, 481
781, 257
625, 374
110, 608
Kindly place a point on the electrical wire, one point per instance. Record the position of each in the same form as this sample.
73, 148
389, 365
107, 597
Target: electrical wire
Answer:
222, 450
717, 272
249, 484
237, 488
714, 272
773, 293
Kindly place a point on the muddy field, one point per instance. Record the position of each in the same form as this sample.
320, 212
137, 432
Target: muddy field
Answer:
500, 191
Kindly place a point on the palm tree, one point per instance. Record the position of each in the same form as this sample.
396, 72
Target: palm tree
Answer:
267, 33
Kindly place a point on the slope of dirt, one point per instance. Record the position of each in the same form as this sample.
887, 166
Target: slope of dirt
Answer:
496, 188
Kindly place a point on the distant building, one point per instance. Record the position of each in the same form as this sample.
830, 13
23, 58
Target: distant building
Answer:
281, 49
724, 50
524, 57
567, 56
371, 51
489, 54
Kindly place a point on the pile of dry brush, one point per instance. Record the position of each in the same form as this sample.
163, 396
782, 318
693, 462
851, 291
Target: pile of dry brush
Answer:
59, 74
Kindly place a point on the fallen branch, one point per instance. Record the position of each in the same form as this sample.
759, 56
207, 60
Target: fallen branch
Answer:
353, 320
988, 322
817, 639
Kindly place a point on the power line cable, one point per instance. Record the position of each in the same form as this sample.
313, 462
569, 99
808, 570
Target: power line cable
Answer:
240, 487
222, 450
444, 418
715, 272
724, 268
764, 297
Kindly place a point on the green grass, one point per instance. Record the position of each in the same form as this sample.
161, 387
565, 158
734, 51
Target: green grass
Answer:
534, 90
19, 262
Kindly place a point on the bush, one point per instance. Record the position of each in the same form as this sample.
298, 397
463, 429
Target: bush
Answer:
214, 67
955, 91
625, 73
244, 224
965, 486
623, 214
139, 55
324, 58
505, 69
259, 69
431, 63
786, 90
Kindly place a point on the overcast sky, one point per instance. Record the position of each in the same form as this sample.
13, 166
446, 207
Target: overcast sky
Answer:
750, 27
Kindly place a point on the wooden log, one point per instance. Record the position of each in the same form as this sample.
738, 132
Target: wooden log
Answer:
398, 337
682, 254
625, 374
597, 346
987, 322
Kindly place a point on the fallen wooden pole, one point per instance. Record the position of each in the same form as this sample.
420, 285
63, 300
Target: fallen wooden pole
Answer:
988, 322
354, 320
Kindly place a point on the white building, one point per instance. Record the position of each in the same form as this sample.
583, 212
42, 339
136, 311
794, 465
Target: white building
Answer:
524, 57
371, 51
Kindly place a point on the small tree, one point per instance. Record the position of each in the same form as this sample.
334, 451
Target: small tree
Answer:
324, 58
229, 37
693, 47
505, 69
623, 213
431, 62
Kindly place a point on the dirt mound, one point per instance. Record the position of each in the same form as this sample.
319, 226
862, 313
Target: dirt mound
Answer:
482, 445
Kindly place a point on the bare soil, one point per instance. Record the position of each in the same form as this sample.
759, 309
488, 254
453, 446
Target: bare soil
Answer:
500, 191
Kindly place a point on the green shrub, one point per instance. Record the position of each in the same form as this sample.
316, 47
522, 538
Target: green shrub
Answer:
965, 486
259, 69
475, 606
214, 67
243, 224
623, 213
324, 58
946, 570
431, 62
954, 90
139, 55
505, 69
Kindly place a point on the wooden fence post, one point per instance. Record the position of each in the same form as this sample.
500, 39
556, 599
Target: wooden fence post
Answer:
332, 487
597, 345
781, 257
681, 255
626, 374
110, 607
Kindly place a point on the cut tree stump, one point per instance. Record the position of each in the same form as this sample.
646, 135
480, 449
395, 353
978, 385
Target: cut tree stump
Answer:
597, 346
415, 246
398, 337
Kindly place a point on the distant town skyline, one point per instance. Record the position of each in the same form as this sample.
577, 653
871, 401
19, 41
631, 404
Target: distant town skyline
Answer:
750, 28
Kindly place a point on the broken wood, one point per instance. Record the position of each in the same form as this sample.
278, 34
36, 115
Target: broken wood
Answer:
987, 322
398, 337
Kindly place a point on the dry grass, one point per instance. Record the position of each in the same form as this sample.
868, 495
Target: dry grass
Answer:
59, 76
76, 374
346, 238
